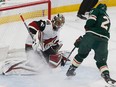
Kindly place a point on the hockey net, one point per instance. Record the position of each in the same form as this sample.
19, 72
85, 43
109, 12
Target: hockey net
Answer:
13, 32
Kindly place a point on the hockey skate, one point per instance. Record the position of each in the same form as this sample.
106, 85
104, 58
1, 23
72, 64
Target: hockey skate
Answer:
107, 78
81, 16
71, 70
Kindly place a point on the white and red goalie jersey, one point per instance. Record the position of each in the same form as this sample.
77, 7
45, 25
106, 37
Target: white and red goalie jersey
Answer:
46, 33
43, 33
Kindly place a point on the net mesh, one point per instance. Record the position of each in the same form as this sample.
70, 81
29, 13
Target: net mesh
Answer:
13, 32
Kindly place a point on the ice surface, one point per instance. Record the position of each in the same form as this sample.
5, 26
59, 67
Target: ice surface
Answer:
87, 74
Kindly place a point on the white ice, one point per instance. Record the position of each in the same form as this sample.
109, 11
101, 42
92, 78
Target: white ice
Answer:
87, 74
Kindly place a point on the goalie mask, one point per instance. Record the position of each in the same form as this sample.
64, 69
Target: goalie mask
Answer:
58, 21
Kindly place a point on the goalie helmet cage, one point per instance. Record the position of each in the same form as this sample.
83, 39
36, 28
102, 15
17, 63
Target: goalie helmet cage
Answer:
13, 33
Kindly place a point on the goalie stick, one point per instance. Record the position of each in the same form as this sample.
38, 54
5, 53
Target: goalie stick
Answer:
29, 31
26, 26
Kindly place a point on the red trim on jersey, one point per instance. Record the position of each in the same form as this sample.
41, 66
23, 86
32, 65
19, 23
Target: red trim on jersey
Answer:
103, 67
49, 40
77, 61
34, 24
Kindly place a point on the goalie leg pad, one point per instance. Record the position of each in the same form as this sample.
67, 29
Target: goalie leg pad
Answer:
55, 60
59, 58
9, 65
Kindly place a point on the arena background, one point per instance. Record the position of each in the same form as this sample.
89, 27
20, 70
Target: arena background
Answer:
57, 6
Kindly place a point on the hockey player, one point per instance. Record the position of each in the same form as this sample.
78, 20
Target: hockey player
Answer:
96, 37
2, 0
47, 33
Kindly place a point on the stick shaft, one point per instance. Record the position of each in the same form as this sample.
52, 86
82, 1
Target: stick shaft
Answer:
26, 26
69, 55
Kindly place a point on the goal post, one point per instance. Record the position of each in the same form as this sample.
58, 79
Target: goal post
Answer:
13, 33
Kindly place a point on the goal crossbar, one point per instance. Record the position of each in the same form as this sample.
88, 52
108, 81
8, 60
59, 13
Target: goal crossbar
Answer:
29, 4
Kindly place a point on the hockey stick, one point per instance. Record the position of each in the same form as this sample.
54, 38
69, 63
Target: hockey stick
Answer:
26, 26
69, 55
28, 29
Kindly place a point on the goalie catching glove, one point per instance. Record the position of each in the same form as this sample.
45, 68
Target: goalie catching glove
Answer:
78, 41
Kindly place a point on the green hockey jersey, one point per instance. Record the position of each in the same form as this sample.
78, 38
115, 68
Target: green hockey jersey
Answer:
2, 0
98, 23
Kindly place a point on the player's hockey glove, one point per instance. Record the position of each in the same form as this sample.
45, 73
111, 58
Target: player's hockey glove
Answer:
77, 42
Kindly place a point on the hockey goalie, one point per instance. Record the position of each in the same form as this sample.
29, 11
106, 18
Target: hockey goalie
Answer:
45, 34
43, 44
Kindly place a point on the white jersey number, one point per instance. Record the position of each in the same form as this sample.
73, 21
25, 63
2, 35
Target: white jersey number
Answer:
104, 24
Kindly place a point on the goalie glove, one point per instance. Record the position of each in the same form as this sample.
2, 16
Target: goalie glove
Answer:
77, 42
51, 42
